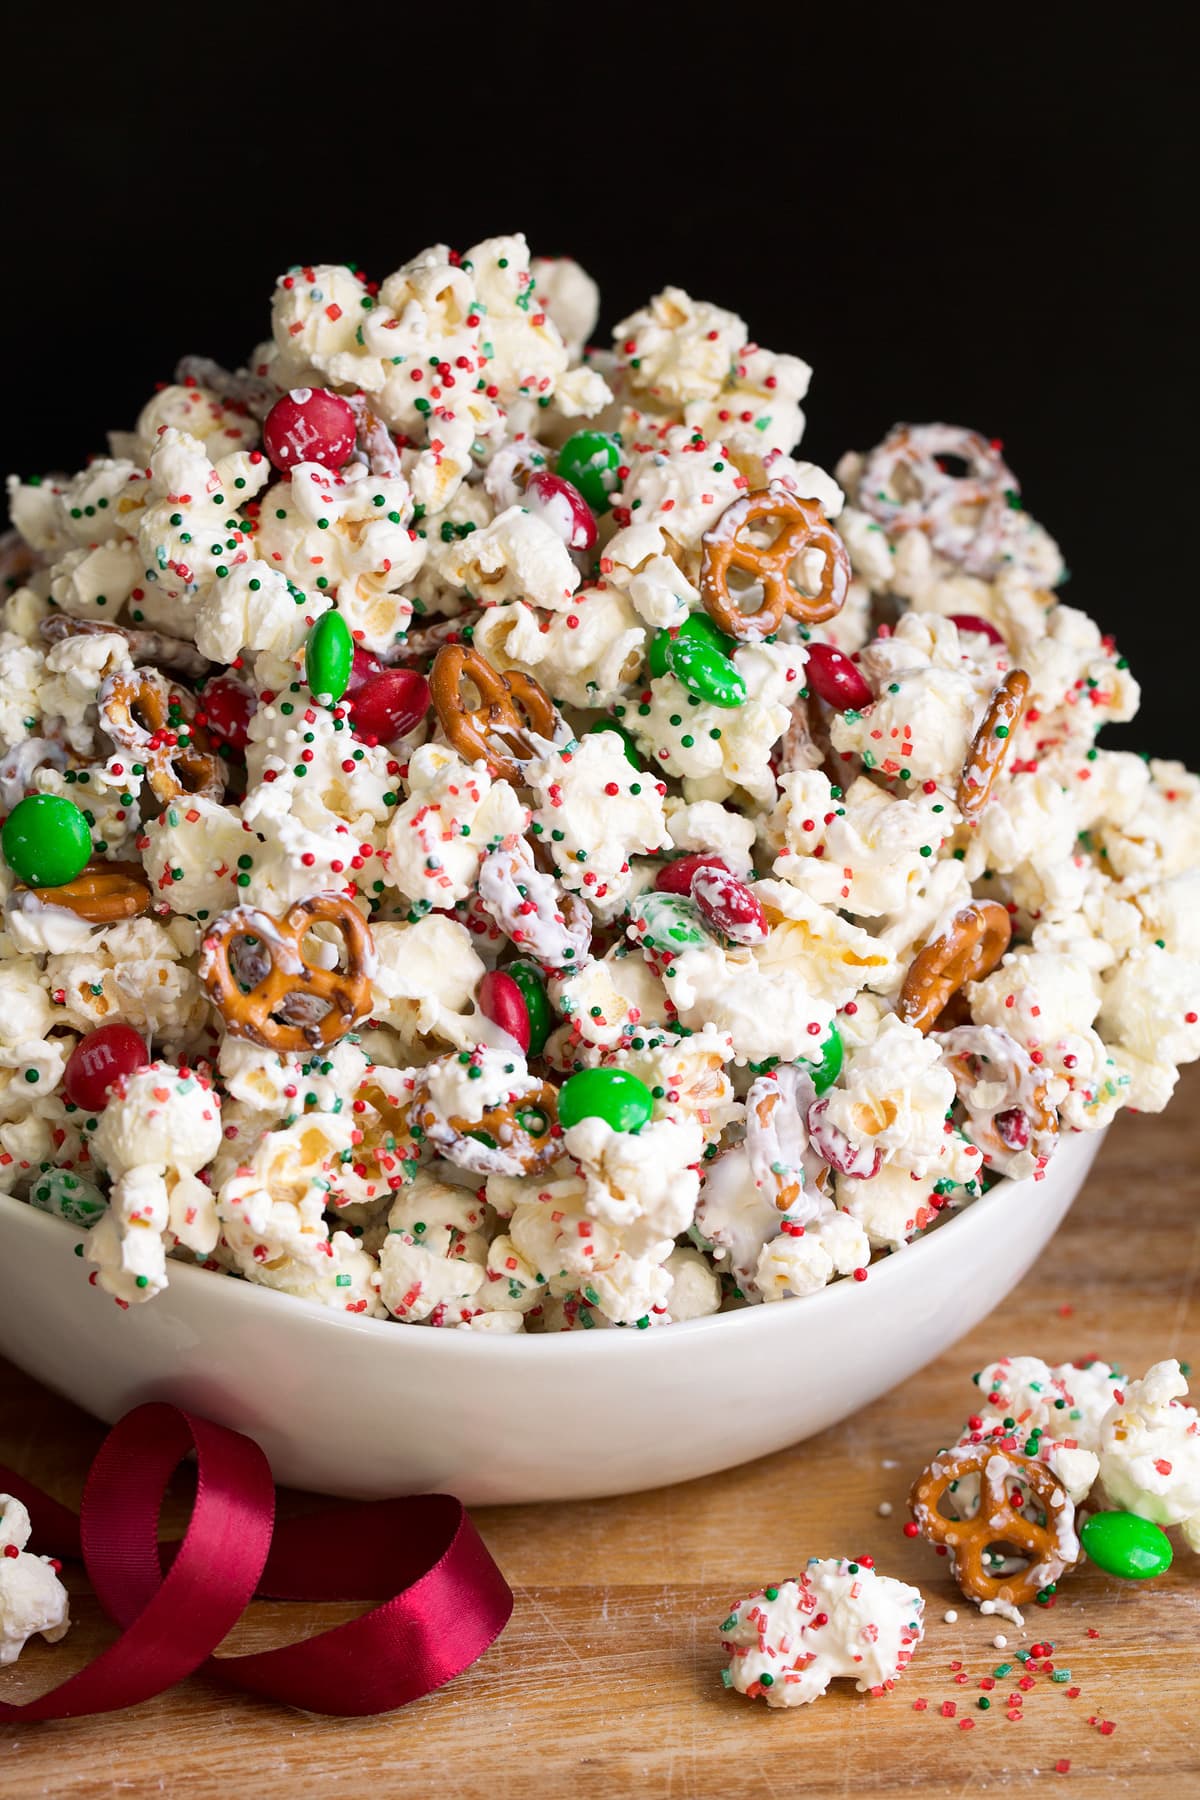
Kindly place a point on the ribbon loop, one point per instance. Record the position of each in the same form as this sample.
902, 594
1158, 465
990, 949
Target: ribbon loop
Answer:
442, 1599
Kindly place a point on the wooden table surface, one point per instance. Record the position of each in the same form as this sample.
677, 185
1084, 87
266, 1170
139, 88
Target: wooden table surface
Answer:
607, 1680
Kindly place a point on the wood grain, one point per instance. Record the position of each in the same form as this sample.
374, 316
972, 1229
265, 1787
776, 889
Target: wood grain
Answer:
607, 1680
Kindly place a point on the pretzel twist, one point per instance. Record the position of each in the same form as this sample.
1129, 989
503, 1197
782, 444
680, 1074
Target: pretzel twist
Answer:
1049, 1548
786, 1165
513, 708
984, 1054
135, 711
804, 528
278, 1009
103, 893
523, 1132
905, 486
526, 902
971, 946
991, 743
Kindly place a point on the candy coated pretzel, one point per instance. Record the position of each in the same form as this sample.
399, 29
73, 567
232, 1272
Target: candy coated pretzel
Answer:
289, 985
979, 1054
991, 743
104, 892
997, 1520
513, 707
521, 1147
911, 453
155, 647
778, 1143
553, 925
135, 712
804, 527
977, 937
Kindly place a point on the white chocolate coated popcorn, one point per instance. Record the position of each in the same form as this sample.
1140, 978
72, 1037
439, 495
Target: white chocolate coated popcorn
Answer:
32, 1598
838, 1619
1149, 1448
159, 1128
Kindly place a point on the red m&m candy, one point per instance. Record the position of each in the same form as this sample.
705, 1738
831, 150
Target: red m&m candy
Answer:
835, 680
562, 506
1012, 1128
364, 667
388, 705
972, 622
226, 708
310, 425
676, 877
98, 1060
501, 1001
729, 906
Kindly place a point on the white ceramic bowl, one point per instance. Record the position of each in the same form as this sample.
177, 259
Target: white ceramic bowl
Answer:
361, 1407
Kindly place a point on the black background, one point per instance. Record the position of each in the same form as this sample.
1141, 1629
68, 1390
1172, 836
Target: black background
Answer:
973, 217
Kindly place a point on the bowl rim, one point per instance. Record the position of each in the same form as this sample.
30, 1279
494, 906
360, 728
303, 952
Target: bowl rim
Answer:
940, 1243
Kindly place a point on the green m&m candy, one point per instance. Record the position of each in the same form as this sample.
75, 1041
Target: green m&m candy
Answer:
1124, 1544
590, 460
699, 656
46, 841
671, 922
826, 1069
328, 657
697, 631
618, 1098
528, 978
626, 737
68, 1197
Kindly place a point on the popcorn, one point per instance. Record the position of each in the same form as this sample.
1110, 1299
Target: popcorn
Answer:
416, 1283
695, 1289
1149, 1448
644, 1185
895, 1095
570, 296
139, 972
439, 836
272, 1206
204, 414
800, 1264
348, 534
160, 1127
679, 349
584, 657
32, 1598
357, 1117
516, 556
714, 751
185, 543
838, 1619
597, 812
863, 851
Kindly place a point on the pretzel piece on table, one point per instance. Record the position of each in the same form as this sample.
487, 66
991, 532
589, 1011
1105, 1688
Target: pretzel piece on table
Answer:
1009, 1485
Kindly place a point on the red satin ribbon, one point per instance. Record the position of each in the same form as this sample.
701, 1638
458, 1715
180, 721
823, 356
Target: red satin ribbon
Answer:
444, 1599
